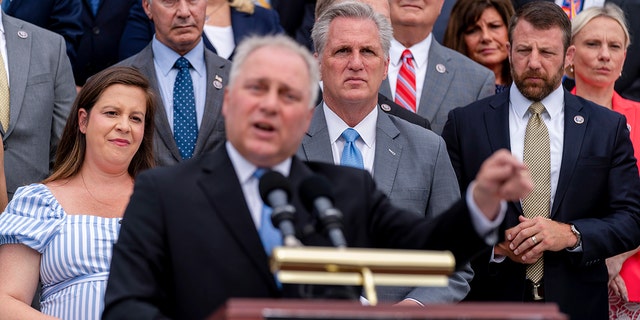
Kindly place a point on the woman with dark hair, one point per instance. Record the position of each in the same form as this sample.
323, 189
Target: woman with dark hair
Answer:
479, 30
62, 230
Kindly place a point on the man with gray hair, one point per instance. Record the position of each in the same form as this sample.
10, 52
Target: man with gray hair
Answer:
187, 77
193, 234
409, 164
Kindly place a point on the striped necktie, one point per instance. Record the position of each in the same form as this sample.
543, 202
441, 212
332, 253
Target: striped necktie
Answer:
538, 159
406, 84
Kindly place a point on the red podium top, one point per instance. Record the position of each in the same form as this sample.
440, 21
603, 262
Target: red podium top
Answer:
251, 309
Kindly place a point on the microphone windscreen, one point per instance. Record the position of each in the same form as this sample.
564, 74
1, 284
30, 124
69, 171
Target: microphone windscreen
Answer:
313, 187
270, 181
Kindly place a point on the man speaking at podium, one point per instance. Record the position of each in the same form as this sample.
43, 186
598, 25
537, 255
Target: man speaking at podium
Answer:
190, 237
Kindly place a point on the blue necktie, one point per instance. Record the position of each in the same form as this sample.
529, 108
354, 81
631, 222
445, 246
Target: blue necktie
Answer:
351, 156
185, 128
270, 236
5, 5
94, 6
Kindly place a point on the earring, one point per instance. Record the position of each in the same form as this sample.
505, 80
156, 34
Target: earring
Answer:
571, 68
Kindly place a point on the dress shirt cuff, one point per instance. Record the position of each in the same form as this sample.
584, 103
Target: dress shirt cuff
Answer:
495, 258
416, 301
577, 249
487, 229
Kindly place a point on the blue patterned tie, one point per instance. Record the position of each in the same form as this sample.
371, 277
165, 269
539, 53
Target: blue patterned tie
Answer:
94, 6
270, 236
185, 128
351, 156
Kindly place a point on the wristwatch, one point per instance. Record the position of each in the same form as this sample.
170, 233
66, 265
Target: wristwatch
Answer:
578, 235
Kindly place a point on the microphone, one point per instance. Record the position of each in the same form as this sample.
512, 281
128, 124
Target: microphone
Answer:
315, 192
274, 191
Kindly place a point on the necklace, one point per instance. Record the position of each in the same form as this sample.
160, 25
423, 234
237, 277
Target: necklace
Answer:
94, 197
91, 194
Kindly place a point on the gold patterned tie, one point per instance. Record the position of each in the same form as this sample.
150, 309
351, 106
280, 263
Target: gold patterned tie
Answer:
4, 96
538, 159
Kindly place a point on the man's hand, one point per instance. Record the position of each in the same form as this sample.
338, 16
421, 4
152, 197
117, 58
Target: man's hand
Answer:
501, 177
531, 237
502, 249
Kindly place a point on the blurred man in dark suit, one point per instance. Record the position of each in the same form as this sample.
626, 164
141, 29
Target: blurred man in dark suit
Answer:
190, 236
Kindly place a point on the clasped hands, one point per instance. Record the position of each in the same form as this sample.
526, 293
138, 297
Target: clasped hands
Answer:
527, 241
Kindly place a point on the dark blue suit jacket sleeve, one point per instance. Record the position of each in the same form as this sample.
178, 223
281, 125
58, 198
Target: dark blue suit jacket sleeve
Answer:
138, 31
60, 16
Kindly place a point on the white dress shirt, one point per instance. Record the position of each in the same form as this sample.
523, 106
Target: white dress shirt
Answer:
553, 118
3, 50
222, 39
420, 52
366, 128
244, 171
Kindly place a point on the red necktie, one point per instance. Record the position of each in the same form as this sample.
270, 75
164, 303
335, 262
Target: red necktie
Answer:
406, 84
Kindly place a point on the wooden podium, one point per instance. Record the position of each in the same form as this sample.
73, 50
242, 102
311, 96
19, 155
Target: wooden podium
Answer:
258, 309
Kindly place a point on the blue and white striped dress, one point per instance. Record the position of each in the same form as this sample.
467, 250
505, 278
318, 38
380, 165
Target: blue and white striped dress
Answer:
76, 251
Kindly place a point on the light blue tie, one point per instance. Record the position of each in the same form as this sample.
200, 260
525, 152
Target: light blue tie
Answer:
185, 127
351, 156
270, 236
94, 6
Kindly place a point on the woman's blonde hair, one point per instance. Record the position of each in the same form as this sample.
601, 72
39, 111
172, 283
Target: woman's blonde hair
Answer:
246, 6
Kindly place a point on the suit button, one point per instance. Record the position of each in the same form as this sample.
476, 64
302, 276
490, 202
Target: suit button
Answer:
96, 30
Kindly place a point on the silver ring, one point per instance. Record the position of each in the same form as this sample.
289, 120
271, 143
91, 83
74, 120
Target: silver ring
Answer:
533, 238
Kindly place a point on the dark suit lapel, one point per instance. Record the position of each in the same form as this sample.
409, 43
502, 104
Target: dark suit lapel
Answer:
241, 23
18, 53
216, 71
299, 172
496, 120
573, 137
229, 205
387, 153
315, 144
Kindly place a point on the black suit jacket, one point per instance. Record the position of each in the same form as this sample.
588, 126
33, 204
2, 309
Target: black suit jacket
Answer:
297, 18
598, 191
188, 242
59, 16
98, 46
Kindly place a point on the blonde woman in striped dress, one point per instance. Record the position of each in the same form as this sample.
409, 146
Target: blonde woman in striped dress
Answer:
61, 231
